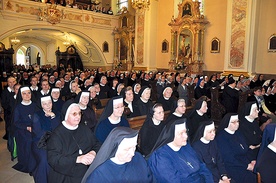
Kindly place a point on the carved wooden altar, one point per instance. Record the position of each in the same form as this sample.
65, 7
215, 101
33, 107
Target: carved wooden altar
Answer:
6, 59
69, 57
187, 37
124, 37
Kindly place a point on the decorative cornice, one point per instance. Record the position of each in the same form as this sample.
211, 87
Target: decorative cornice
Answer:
23, 9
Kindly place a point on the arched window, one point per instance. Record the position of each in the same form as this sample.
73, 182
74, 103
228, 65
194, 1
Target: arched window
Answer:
272, 43
105, 47
20, 57
121, 4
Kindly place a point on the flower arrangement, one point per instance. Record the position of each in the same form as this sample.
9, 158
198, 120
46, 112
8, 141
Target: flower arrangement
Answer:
179, 66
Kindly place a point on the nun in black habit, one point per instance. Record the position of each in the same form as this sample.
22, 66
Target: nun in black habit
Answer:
71, 148
136, 88
249, 127
128, 96
166, 99
144, 103
88, 117
151, 128
208, 152
114, 163
178, 112
197, 115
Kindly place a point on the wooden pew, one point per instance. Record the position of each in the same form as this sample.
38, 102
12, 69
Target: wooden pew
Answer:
217, 109
137, 122
98, 112
104, 101
243, 98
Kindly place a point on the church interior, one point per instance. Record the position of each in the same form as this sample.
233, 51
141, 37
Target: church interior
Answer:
210, 36
194, 37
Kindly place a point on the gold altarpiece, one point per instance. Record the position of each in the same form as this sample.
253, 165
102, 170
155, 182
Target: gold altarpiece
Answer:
124, 41
187, 36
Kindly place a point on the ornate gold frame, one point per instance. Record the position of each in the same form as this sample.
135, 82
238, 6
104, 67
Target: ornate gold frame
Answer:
163, 49
215, 45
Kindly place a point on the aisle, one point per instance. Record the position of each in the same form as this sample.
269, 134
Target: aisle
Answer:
7, 173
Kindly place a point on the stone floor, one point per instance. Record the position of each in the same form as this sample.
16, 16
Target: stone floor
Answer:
7, 173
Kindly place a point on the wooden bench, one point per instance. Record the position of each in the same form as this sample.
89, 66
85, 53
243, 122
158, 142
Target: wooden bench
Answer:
217, 109
137, 122
104, 101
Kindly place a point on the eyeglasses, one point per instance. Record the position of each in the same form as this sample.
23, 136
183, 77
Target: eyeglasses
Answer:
76, 113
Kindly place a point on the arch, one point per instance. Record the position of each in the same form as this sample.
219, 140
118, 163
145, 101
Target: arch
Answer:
90, 44
27, 44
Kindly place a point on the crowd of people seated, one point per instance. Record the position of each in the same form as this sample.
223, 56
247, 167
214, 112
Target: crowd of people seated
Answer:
53, 130
93, 6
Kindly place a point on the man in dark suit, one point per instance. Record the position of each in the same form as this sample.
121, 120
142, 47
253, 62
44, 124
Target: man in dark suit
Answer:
7, 96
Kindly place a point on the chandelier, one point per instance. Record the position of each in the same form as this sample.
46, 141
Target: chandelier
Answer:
15, 41
140, 4
66, 43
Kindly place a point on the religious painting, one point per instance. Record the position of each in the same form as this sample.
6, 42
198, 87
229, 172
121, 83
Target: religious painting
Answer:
105, 47
187, 10
123, 49
272, 43
124, 21
215, 45
165, 46
185, 45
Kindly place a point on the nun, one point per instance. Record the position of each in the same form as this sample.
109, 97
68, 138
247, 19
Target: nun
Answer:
197, 115
57, 101
234, 150
94, 100
200, 90
22, 121
166, 99
44, 121
136, 88
71, 148
249, 127
178, 112
266, 161
130, 111
88, 117
230, 96
151, 129
117, 160
208, 152
174, 160
111, 118
143, 104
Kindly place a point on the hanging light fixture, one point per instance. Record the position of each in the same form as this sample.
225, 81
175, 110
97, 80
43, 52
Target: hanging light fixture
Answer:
15, 41
66, 43
140, 4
